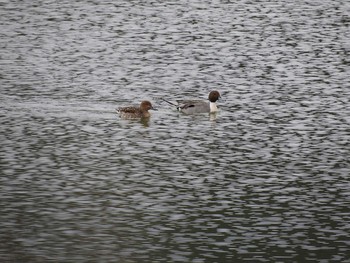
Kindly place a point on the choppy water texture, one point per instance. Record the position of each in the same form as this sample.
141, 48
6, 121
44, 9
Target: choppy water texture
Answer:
264, 180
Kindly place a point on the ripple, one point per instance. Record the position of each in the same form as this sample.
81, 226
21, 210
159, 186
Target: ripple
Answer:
265, 180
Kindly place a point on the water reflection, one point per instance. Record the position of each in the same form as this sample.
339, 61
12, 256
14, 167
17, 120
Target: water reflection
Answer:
145, 122
265, 179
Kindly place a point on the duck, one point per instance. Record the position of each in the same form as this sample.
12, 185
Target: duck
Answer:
132, 112
198, 106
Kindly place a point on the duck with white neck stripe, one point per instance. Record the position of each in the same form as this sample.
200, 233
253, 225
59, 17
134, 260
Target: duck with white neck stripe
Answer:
198, 106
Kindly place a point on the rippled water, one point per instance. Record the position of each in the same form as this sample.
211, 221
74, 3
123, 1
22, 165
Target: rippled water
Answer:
264, 180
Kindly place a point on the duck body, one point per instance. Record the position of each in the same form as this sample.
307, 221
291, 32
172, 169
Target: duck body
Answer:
193, 106
133, 112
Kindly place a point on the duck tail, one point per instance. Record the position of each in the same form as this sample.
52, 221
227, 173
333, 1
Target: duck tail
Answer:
169, 102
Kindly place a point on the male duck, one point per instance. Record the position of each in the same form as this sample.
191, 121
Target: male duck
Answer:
198, 106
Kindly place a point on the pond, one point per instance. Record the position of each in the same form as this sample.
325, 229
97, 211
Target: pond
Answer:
266, 179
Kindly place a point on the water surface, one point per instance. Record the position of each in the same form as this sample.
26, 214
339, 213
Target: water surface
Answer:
264, 180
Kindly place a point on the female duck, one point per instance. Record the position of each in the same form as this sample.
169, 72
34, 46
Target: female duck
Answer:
132, 112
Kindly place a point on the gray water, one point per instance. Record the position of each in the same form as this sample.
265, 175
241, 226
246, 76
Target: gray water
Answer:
264, 180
